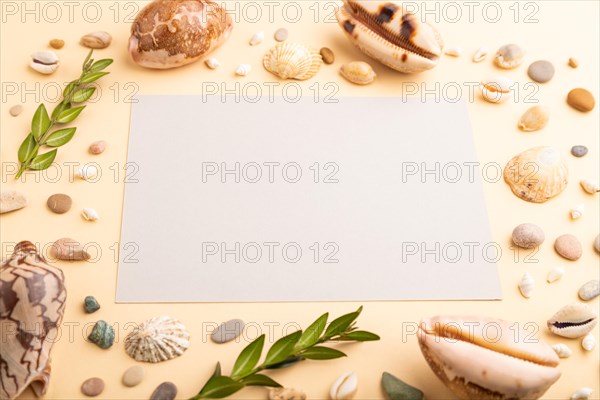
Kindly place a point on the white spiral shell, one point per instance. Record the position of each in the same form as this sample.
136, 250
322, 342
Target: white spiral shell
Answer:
157, 339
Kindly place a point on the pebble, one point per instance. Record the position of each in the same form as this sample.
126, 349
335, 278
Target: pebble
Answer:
541, 71
227, 331
283, 393
281, 34
11, 200
96, 40
568, 246
327, 54
97, 147
398, 390
92, 387
57, 44
15, 110
590, 290
103, 335
59, 203
69, 250
90, 304
528, 236
133, 376
581, 99
164, 391
579, 151
573, 63
597, 244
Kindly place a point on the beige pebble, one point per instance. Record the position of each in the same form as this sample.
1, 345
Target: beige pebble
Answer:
528, 236
581, 100
589, 290
15, 110
92, 387
97, 147
57, 44
11, 200
568, 246
573, 63
59, 203
327, 54
283, 393
69, 249
133, 376
96, 40
281, 34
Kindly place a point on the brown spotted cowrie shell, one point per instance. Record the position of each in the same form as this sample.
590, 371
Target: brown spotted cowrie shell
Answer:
481, 358
573, 321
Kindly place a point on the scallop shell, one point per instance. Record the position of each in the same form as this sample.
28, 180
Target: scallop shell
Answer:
555, 274
289, 60
33, 298
573, 321
157, 339
588, 342
390, 34
562, 350
537, 174
526, 285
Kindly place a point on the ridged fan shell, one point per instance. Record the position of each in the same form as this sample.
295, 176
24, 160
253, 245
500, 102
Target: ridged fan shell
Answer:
536, 175
157, 339
289, 60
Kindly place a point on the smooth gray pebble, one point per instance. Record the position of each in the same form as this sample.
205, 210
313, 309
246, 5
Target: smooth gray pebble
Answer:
164, 391
541, 71
579, 151
227, 331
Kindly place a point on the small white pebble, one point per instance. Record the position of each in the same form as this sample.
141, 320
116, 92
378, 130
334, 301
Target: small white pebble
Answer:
87, 172
583, 393
454, 51
15, 110
257, 38
212, 63
90, 214
243, 69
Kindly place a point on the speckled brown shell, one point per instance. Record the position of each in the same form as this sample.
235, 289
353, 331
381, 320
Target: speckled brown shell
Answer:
171, 33
32, 303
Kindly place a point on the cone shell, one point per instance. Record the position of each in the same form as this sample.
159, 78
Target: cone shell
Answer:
483, 358
157, 339
32, 303
536, 175
289, 60
573, 321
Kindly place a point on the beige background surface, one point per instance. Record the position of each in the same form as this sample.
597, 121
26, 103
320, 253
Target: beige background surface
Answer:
563, 29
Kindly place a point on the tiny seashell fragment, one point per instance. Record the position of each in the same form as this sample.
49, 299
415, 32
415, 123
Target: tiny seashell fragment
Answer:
589, 290
555, 274
534, 119
588, 342
496, 89
212, 63
454, 51
96, 40
286, 394
11, 200
289, 60
577, 211
89, 214
243, 69
481, 54
344, 388
45, 62
157, 339
87, 172
590, 186
562, 350
509, 56
526, 285
573, 321
358, 72
257, 38
583, 393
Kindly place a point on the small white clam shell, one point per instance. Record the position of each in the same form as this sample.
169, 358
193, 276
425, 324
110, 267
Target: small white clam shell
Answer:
45, 62
583, 393
454, 51
481, 54
89, 214
344, 388
588, 342
526, 285
590, 186
577, 211
257, 38
212, 63
496, 89
555, 274
562, 350
243, 69
87, 172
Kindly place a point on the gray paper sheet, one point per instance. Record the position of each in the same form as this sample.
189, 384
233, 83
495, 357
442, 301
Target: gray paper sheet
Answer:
363, 199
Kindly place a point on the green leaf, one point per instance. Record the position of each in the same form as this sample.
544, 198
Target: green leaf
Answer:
395, 389
40, 122
259, 380
342, 323
87, 59
321, 353
100, 65
217, 371
60, 108
69, 90
43, 161
82, 95
249, 357
219, 387
288, 362
283, 348
60, 137
360, 336
26, 149
312, 334
69, 115
93, 76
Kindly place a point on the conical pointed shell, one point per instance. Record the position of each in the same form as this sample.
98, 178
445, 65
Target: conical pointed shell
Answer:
157, 339
537, 174
573, 321
289, 60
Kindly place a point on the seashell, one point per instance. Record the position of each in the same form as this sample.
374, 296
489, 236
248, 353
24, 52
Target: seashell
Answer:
243, 69
289, 60
257, 38
89, 214
555, 274
157, 339
481, 54
286, 394
390, 34
496, 89
212, 63
562, 350
462, 355
534, 119
103, 335
591, 187
344, 387
358, 72
87, 172
11, 200
96, 40
577, 211
45, 62
589, 290
526, 285
583, 393
169, 34
588, 342
33, 302
454, 51
536, 175
573, 321
509, 56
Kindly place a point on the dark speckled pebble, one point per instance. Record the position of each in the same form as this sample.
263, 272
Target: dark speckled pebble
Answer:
102, 335
164, 391
579, 151
90, 304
